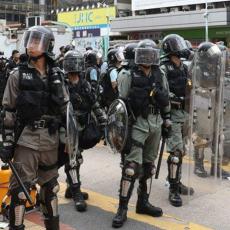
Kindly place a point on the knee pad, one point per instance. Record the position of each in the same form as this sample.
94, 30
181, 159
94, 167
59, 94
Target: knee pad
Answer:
73, 176
129, 174
17, 207
149, 170
131, 170
174, 166
17, 194
48, 198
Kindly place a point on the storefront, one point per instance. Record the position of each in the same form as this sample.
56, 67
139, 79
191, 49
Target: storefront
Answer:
189, 24
90, 27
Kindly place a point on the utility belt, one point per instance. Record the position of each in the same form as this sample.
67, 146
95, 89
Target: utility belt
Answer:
46, 122
38, 124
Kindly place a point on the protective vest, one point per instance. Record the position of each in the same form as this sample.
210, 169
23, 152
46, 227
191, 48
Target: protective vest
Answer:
177, 78
81, 96
36, 97
109, 95
141, 87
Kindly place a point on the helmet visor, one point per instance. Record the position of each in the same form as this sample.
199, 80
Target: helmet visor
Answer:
147, 56
37, 41
177, 44
119, 55
73, 65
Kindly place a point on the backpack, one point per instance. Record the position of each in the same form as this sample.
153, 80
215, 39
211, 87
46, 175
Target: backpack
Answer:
105, 91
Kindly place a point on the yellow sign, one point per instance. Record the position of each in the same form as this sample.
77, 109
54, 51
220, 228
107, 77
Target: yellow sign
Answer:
84, 18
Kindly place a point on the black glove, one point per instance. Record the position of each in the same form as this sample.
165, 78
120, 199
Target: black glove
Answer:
7, 151
56, 86
166, 128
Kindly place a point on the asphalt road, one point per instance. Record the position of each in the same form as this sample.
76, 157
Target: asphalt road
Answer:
207, 209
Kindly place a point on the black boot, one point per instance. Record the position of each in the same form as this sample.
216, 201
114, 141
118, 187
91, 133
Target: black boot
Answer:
199, 169
68, 194
174, 196
125, 192
121, 215
78, 198
184, 190
144, 207
52, 223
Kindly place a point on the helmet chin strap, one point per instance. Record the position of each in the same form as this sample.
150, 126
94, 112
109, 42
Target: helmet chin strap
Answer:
35, 59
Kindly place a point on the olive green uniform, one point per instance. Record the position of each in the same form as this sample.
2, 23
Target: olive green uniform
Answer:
144, 131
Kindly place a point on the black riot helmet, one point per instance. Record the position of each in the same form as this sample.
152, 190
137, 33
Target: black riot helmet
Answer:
173, 44
147, 53
90, 58
41, 38
208, 52
129, 51
73, 62
189, 44
115, 55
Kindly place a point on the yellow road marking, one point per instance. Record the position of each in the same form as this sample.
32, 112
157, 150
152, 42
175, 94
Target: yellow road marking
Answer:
110, 204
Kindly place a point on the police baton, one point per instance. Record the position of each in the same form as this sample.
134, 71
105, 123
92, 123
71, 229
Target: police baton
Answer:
20, 182
160, 157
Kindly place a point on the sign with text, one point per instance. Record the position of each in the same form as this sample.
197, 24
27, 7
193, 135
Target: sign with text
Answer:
86, 33
150, 4
88, 19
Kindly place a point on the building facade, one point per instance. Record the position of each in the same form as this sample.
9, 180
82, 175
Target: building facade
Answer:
155, 19
16, 11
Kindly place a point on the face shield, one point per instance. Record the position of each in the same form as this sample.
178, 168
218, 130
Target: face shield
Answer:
119, 55
147, 56
73, 65
36, 40
177, 44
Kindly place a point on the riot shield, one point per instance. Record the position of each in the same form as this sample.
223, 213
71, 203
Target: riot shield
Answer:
71, 135
205, 135
226, 148
117, 126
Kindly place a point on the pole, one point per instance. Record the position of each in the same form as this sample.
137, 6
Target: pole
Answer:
160, 158
15, 173
206, 21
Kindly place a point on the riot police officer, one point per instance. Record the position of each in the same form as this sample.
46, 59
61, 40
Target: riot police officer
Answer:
109, 79
35, 94
129, 55
209, 78
146, 92
176, 72
84, 102
91, 72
